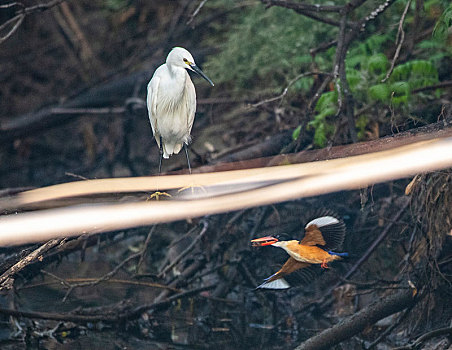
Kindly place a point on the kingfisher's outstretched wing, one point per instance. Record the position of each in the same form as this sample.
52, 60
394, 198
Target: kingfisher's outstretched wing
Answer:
326, 231
277, 281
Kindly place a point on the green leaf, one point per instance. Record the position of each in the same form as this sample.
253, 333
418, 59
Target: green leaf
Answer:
379, 92
326, 100
378, 63
441, 29
296, 133
354, 77
400, 91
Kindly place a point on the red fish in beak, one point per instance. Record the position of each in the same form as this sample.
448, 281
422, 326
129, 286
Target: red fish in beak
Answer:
263, 241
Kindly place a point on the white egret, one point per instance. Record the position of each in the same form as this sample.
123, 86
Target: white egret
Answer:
171, 103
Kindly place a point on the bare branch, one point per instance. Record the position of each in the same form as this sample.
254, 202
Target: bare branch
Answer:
21, 14
374, 14
286, 89
196, 11
6, 279
425, 337
187, 250
12, 4
18, 21
440, 85
399, 41
359, 321
224, 191
302, 6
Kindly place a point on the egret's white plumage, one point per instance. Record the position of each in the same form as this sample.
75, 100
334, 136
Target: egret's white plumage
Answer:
171, 101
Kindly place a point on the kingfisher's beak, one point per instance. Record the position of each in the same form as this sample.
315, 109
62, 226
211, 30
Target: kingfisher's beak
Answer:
263, 241
201, 73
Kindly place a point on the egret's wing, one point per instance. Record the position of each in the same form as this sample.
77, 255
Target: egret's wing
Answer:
152, 98
191, 103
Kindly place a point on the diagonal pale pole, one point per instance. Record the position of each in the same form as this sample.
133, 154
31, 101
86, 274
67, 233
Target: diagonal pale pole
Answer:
291, 183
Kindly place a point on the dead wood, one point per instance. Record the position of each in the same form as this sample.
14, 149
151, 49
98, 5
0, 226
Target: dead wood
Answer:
439, 129
6, 279
108, 94
359, 321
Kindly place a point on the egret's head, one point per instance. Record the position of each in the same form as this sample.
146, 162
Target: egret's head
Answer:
180, 57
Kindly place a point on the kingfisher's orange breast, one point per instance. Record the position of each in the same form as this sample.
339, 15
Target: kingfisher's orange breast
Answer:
309, 254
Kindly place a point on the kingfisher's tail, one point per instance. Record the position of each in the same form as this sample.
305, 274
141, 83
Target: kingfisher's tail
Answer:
342, 255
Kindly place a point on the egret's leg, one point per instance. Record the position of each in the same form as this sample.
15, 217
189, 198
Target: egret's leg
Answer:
188, 158
159, 194
189, 169
161, 155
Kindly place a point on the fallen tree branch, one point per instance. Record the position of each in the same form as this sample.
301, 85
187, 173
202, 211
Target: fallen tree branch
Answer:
425, 337
6, 279
228, 191
359, 321
143, 184
105, 94
110, 315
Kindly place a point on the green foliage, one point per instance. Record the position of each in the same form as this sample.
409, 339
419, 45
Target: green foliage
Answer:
361, 124
400, 91
296, 133
326, 106
378, 64
379, 92
265, 49
444, 23
365, 72
115, 5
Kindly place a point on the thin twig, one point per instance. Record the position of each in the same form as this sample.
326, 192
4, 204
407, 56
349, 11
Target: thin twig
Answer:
67, 282
443, 84
322, 47
399, 41
426, 336
18, 19
390, 328
22, 13
196, 11
186, 251
95, 282
145, 248
302, 6
286, 89
377, 242
6, 279
12, 4
112, 110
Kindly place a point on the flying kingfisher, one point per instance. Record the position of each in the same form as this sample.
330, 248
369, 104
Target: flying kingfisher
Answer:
322, 235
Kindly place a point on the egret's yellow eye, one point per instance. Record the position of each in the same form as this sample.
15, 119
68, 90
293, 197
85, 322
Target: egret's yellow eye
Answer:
186, 61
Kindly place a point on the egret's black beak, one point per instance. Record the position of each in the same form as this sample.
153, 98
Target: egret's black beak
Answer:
201, 73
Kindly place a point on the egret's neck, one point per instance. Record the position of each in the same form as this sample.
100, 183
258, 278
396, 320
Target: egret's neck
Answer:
177, 72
